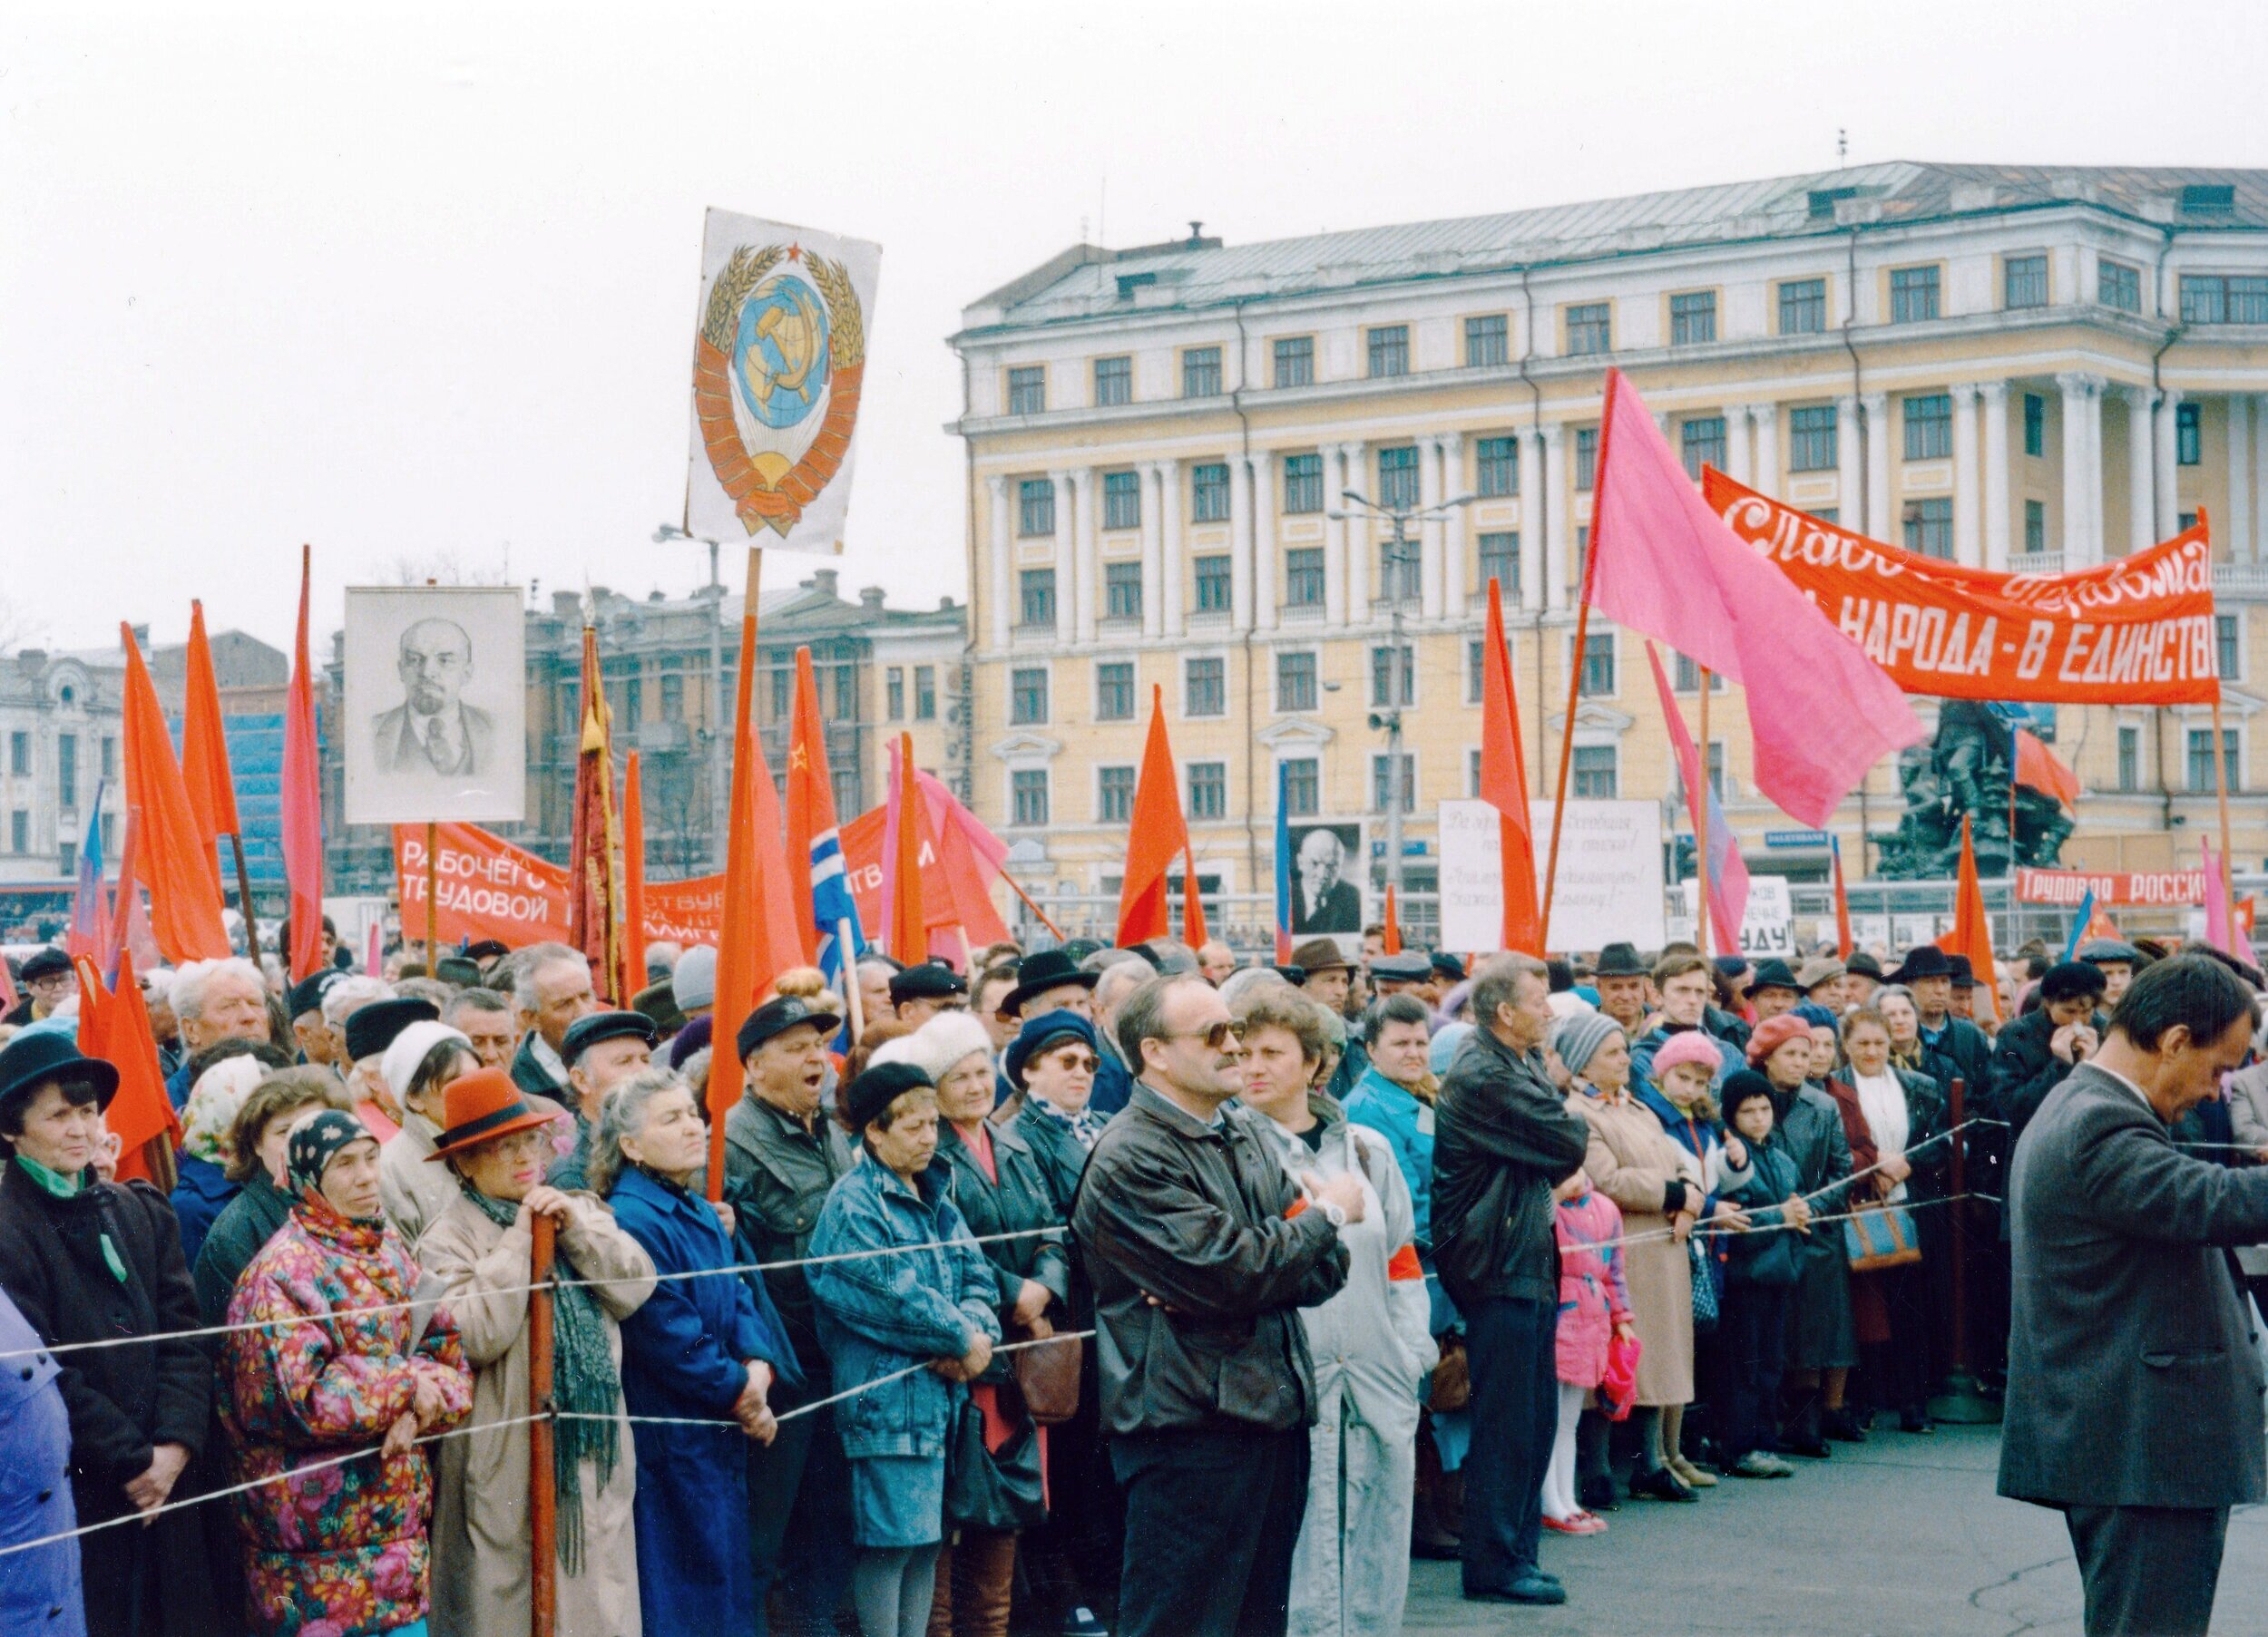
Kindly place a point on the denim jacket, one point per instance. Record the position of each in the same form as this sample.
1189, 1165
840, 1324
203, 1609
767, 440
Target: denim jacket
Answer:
878, 1315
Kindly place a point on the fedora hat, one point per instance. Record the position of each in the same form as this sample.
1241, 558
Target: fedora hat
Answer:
1320, 955
1621, 960
1922, 960
1048, 970
481, 1107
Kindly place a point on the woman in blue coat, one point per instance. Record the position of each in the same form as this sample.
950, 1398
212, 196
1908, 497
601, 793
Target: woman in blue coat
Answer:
39, 1589
916, 1326
699, 1348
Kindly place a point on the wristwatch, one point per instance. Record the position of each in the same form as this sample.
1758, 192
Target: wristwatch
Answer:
1336, 1213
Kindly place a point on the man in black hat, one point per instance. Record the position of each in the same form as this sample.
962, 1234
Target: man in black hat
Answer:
1862, 976
1773, 990
1047, 982
369, 1032
2116, 959
1963, 1003
920, 992
1928, 971
47, 979
1393, 974
309, 1031
1623, 981
601, 1052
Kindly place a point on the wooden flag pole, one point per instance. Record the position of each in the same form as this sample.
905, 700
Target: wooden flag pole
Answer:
1699, 802
432, 894
1034, 908
744, 689
244, 902
543, 1435
1575, 668
851, 998
2221, 789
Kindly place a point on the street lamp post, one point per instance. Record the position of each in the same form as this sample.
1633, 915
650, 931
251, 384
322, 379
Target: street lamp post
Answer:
720, 798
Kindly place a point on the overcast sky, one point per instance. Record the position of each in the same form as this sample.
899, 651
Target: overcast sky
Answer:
422, 286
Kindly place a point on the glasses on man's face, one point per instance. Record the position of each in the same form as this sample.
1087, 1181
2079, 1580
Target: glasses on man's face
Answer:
1216, 1036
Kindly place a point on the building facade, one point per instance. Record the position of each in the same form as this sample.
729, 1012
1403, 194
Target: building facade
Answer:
1177, 453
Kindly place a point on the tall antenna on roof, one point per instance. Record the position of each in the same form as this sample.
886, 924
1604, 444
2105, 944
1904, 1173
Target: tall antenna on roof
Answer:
1842, 147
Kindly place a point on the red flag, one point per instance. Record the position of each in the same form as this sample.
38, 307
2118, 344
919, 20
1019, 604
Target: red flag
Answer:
1972, 929
2040, 768
959, 864
115, 1027
905, 913
204, 747
810, 797
1664, 564
1394, 922
594, 884
174, 858
1844, 942
1193, 932
301, 802
1158, 832
1504, 785
633, 882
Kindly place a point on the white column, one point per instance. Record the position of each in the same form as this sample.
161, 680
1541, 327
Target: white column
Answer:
2259, 477
2166, 512
1531, 514
1738, 464
1767, 417
1260, 484
1239, 544
1338, 473
1429, 534
2140, 507
2096, 542
1879, 522
1968, 507
1001, 579
1153, 552
2079, 404
1087, 555
1851, 464
2238, 529
1559, 501
1452, 527
1995, 394
1067, 502
1172, 570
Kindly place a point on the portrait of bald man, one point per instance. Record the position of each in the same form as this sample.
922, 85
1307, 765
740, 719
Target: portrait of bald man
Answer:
1322, 899
433, 730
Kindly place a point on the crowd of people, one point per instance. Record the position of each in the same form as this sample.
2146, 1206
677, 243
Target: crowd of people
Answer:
1087, 1290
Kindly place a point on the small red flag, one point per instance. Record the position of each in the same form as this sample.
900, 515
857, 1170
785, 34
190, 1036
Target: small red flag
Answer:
906, 823
810, 798
301, 802
115, 1027
594, 886
1844, 942
204, 747
1193, 932
2040, 768
1394, 922
633, 882
1504, 785
174, 858
1972, 928
1158, 832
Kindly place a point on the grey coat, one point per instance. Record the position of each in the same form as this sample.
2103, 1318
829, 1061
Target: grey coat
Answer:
2132, 1378
1821, 1334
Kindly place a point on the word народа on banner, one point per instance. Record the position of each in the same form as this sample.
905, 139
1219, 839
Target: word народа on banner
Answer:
2135, 631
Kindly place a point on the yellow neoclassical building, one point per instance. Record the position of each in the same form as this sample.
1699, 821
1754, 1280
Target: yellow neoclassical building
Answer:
2010, 366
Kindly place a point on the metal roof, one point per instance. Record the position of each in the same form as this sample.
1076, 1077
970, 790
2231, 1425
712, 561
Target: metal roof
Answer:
1094, 282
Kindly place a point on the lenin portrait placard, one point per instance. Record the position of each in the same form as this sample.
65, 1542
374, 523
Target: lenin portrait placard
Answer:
434, 722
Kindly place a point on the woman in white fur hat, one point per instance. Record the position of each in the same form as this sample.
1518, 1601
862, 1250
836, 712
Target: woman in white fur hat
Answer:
421, 1060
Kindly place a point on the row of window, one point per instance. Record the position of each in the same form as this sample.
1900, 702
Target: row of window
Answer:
66, 762
924, 693
2198, 760
20, 839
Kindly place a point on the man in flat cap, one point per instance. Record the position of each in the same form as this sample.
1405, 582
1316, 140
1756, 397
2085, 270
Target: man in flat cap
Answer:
920, 992
46, 979
601, 1052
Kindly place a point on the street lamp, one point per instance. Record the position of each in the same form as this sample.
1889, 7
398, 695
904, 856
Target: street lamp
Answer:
1397, 559
719, 809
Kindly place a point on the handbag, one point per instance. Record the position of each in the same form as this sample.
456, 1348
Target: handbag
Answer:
1880, 1236
1450, 1390
1047, 1376
1705, 1301
992, 1490
1619, 1390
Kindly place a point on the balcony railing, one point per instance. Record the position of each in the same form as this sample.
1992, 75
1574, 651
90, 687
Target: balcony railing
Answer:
2240, 579
2036, 563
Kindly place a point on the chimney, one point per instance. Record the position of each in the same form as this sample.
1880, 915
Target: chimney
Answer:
33, 660
567, 605
870, 599
822, 580
945, 605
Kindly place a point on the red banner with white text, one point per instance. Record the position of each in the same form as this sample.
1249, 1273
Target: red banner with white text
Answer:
2138, 631
2070, 888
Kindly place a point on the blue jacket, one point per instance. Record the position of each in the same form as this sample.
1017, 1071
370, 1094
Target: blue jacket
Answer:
1642, 1056
685, 1353
1114, 1083
880, 1314
201, 1191
177, 1087
1406, 1122
36, 1489
1759, 1257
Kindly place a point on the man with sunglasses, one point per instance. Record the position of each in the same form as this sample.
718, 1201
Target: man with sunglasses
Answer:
1202, 1250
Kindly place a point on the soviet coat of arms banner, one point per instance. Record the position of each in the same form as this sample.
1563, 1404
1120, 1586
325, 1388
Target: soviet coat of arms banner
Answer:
778, 362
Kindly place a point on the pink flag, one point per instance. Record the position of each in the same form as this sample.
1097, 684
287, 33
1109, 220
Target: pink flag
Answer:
1728, 872
1820, 712
2219, 932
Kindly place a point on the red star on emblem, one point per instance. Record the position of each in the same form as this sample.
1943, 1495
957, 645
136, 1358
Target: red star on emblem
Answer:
795, 252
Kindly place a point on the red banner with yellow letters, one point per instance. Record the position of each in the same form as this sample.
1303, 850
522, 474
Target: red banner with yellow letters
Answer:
2138, 631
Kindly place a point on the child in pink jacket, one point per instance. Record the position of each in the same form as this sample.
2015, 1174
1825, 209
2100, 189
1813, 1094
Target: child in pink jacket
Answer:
1594, 1307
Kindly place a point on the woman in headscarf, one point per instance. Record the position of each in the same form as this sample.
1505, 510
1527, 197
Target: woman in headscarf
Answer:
87, 1260
223, 1076
493, 1147
1658, 1188
423, 1060
257, 1146
319, 1374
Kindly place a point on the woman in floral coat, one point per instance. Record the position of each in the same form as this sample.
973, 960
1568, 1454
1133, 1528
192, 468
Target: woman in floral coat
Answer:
342, 1550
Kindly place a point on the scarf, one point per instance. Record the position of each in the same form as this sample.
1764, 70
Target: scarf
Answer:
56, 1183
1086, 1124
583, 1381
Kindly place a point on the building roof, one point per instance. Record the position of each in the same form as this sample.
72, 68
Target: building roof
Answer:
1087, 281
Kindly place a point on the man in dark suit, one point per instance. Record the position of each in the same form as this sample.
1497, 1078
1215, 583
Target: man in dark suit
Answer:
433, 730
1324, 902
2134, 1396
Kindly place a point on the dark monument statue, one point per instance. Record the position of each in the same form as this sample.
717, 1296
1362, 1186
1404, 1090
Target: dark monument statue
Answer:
1967, 771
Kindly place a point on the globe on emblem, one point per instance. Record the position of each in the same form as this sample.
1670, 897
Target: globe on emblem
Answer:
780, 363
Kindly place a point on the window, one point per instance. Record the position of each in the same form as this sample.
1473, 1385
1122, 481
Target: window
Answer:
893, 693
1595, 772
1913, 294
1114, 381
1381, 782
2034, 424
1114, 795
2118, 285
2035, 525
845, 695
1208, 790
1114, 691
1028, 788
1811, 439
19, 832
1599, 663
1390, 350
1212, 583
2130, 759
1398, 476
672, 707
1499, 561
1028, 391
1303, 791
1036, 604
2215, 298
1803, 306
1200, 373
1693, 318
1121, 500
1704, 444
1401, 575
1028, 698
924, 693
2187, 428
1476, 668
20, 754
1303, 578
110, 761
1296, 361
2228, 630
1590, 328
783, 693
1121, 591
2201, 760
1687, 679
1487, 342
1302, 484
2184, 521
1717, 768
1035, 507
110, 835
1928, 427
1930, 527
1205, 688
1296, 680
1586, 458
67, 769
1496, 467
1393, 677
2024, 281
1209, 492
849, 796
